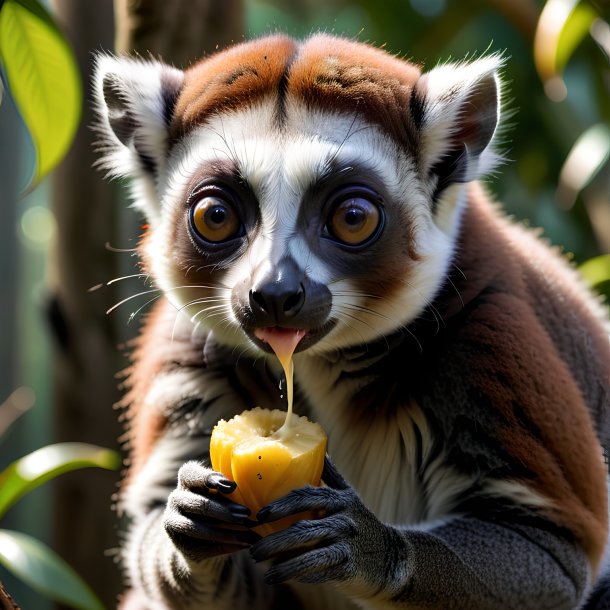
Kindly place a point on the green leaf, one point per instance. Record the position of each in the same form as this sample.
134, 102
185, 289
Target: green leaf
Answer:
43, 79
588, 155
561, 28
575, 28
48, 462
596, 270
42, 569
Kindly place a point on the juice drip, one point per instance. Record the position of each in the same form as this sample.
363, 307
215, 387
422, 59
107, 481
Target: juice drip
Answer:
288, 365
283, 342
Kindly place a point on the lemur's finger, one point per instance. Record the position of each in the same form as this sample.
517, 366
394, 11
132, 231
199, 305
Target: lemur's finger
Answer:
194, 475
316, 563
302, 535
177, 524
187, 502
331, 476
306, 498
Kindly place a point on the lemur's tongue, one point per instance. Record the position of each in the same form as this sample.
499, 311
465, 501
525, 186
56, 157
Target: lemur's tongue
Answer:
283, 341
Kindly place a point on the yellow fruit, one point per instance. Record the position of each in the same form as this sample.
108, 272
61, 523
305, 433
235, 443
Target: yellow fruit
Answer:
267, 459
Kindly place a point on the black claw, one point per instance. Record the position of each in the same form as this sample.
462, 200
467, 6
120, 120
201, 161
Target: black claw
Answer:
263, 515
221, 483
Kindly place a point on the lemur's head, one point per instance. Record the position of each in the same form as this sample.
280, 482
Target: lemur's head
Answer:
314, 186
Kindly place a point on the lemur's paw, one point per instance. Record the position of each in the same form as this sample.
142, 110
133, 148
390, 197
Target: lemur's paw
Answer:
200, 517
324, 549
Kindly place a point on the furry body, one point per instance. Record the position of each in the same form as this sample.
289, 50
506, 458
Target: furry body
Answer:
457, 364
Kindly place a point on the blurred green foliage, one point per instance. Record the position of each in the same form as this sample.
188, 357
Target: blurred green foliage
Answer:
30, 560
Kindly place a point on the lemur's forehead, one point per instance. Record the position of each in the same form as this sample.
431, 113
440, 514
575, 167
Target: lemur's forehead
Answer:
310, 147
324, 73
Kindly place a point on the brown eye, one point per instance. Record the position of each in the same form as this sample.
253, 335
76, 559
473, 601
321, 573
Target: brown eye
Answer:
354, 221
215, 220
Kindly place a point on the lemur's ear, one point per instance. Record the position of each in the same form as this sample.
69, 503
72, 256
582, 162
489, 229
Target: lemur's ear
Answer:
457, 107
135, 100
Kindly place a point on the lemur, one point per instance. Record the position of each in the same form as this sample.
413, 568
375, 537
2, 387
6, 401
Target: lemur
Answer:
458, 364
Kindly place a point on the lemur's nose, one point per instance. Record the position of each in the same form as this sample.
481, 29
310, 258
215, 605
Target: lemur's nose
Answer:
279, 295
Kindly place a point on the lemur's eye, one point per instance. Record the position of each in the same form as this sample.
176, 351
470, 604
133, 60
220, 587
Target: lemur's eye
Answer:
354, 220
215, 220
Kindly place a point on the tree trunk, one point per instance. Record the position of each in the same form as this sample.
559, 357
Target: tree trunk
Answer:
87, 357
178, 32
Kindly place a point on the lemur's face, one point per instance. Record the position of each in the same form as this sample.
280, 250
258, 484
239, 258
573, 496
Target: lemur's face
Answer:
320, 225
312, 189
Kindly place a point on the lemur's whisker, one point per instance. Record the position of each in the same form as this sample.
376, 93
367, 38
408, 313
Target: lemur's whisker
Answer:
131, 297
459, 270
135, 313
116, 279
347, 318
126, 277
208, 310
437, 317
344, 312
457, 292
153, 290
120, 250
410, 332
224, 322
356, 294
365, 310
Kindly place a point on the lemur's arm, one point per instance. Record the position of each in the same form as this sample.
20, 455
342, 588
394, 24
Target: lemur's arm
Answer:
462, 562
178, 552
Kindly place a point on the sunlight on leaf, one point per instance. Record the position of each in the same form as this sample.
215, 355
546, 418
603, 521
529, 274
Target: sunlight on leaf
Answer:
588, 155
42, 78
574, 31
561, 28
48, 462
600, 32
43, 570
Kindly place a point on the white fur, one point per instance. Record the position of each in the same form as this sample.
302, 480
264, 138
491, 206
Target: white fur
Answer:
399, 496
139, 84
447, 88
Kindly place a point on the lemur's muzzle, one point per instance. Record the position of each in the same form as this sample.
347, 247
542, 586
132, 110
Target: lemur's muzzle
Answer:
285, 296
279, 296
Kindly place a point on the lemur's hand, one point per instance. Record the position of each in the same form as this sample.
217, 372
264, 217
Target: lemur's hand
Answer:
200, 509
339, 546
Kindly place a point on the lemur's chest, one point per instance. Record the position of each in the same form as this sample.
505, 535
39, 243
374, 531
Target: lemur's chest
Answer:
389, 454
